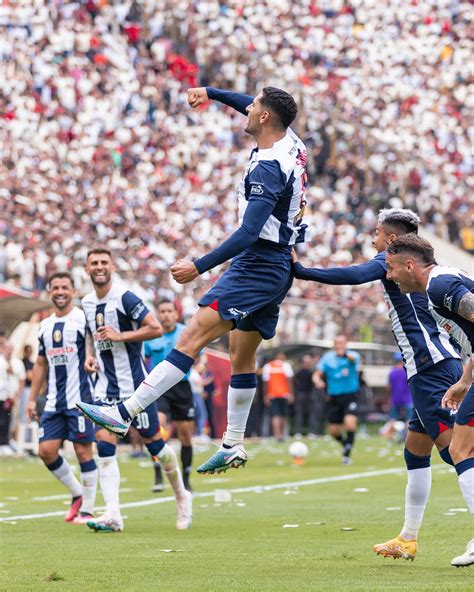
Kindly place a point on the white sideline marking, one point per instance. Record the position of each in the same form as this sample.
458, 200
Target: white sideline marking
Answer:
253, 489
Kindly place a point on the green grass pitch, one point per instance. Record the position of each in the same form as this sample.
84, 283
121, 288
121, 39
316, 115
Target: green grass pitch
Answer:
240, 545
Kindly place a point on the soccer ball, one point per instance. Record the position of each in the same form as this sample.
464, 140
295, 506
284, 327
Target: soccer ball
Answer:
299, 451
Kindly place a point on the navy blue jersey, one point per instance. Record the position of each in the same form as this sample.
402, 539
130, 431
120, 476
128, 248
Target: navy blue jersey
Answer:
446, 286
420, 339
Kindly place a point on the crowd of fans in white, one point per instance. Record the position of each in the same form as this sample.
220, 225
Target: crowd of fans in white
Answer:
99, 146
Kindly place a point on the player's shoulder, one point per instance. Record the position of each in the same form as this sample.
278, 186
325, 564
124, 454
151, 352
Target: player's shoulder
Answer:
47, 322
285, 154
89, 298
78, 315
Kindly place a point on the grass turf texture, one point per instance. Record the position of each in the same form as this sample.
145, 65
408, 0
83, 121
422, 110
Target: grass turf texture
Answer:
240, 545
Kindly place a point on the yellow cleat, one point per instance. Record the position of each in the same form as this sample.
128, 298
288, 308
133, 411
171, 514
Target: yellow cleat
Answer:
397, 548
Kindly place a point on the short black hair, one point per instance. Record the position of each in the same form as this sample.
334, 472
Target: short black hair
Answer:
281, 103
99, 251
413, 245
166, 301
59, 275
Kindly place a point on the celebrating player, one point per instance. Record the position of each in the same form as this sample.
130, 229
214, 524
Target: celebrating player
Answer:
177, 403
61, 357
247, 297
412, 266
119, 322
431, 361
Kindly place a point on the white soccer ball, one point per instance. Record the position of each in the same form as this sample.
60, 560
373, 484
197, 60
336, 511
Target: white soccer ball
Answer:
298, 450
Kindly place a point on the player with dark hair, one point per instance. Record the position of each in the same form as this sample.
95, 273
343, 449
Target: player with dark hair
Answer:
61, 358
431, 361
119, 322
246, 298
412, 266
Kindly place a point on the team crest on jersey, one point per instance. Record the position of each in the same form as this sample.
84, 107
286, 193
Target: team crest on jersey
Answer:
57, 336
256, 189
99, 319
448, 301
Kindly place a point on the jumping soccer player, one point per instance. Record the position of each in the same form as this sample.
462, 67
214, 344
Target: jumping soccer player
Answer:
119, 322
61, 357
247, 297
431, 361
412, 266
177, 403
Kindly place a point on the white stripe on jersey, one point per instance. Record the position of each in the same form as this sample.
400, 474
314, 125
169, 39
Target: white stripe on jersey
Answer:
62, 342
400, 337
121, 365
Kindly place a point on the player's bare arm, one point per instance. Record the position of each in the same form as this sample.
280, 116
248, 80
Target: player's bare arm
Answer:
466, 307
456, 393
90, 364
149, 329
40, 370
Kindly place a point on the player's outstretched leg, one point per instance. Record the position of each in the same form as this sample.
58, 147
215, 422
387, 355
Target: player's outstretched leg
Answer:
405, 546
231, 453
467, 558
107, 417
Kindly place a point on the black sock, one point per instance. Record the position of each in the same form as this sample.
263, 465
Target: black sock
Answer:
339, 438
226, 446
158, 475
349, 443
186, 461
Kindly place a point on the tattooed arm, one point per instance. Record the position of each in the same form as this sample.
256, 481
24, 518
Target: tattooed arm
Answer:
466, 307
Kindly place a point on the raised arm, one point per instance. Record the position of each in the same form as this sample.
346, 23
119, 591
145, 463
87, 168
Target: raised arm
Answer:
238, 101
341, 276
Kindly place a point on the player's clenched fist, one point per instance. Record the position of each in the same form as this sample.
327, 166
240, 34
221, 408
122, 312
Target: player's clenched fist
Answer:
197, 96
184, 271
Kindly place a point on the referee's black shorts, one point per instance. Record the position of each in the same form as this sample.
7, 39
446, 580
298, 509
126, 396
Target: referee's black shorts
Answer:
177, 403
341, 405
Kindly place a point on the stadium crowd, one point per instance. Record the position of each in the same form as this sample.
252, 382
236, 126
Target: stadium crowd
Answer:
98, 144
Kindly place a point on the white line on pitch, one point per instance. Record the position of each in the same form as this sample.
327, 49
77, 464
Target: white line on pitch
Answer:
253, 489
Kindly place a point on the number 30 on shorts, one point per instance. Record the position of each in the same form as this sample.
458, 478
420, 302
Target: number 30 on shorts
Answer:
142, 421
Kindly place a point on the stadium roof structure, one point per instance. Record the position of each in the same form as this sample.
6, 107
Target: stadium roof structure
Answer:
18, 305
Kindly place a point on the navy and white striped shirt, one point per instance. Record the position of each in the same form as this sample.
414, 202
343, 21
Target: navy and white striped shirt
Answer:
121, 365
421, 340
62, 341
445, 288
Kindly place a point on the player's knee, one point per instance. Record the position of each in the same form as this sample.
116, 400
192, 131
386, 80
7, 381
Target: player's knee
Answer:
47, 453
445, 454
413, 461
155, 447
460, 450
106, 449
83, 452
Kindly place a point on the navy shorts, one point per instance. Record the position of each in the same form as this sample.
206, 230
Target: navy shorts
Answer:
465, 414
69, 424
146, 422
250, 292
427, 389
279, 407
178, 402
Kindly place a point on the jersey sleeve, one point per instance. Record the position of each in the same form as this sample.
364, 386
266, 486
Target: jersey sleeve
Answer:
321, 365
266, 182
340, 276
266, 373
41, 346
288, 369
237, 101
134, 307
446, 291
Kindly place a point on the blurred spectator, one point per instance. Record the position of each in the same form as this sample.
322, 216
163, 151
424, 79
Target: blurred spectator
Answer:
98, 143
277, 379
208, 392
401, 403
305, 398
28, 366
12, 382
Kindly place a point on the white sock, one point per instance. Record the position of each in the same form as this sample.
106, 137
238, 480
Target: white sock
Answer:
89, 488
169, 462
466, 483
66, 476
161, 379
109, 476
416, 497
239, 401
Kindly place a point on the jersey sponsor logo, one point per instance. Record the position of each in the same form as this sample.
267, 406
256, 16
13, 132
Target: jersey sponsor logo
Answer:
57, 336
448, 302
137, 311
102, 344
256, 189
